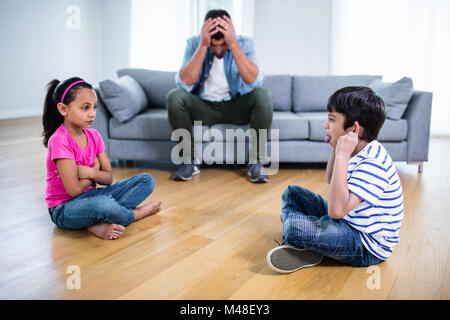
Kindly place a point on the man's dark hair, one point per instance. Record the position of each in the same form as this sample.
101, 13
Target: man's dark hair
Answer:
215, 14
360, 104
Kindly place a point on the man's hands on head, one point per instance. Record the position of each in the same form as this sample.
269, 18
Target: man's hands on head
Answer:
226, 27
208, 30
219, 24
190, 72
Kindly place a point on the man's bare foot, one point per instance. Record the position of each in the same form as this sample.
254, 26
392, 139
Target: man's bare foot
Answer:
147, 210
106, 231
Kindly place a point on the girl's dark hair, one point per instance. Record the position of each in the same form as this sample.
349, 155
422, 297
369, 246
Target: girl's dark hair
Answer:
360, 104
51, 118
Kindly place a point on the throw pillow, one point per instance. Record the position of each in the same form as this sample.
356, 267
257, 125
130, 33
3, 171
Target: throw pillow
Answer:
396, 95
123, 97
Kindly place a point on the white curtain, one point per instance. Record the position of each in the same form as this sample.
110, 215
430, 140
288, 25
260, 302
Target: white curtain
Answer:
160, 28
397, 38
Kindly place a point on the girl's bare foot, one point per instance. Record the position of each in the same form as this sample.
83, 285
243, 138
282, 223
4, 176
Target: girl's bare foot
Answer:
147, 210
106, 231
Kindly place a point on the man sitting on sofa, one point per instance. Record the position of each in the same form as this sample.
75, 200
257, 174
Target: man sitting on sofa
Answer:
219, 82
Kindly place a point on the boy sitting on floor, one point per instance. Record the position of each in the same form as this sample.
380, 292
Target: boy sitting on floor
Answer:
360, 223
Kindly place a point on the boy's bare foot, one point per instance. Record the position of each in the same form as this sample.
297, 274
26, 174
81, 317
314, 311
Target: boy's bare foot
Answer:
106, 231
147, 210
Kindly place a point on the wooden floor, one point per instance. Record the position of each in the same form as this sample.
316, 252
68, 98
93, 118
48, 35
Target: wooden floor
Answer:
211, 238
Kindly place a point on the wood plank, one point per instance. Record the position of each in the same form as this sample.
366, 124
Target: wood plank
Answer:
405, 289
123, 277
171, 283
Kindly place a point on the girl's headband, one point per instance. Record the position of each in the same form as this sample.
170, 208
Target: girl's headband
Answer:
68, 88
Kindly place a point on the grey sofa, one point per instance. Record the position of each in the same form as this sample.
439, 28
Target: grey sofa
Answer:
299, 114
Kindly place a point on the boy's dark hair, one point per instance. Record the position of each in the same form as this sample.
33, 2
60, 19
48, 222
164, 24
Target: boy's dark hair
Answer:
51, 118
358, 103
215, 13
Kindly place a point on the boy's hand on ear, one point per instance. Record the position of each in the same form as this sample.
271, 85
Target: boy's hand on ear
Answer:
347, 143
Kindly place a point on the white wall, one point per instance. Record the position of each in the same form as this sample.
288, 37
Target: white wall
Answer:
37, 46
116, 36
293, 36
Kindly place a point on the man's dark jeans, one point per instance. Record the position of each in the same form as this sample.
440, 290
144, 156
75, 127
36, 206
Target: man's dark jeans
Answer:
255, 108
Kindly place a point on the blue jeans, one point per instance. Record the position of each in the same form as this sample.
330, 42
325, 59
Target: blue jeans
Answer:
306, 224
111, 204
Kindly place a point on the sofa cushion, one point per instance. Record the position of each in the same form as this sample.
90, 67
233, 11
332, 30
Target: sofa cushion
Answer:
316, 121
392, 130
156, 84
280, 86
290, 126
148, 125
395, 95
311, 93
123, 97
152, 124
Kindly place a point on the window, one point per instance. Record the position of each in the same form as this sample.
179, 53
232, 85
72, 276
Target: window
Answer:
396, 38
159, 29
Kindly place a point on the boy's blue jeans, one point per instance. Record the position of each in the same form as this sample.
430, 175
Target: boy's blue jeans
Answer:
111, 204
306, 224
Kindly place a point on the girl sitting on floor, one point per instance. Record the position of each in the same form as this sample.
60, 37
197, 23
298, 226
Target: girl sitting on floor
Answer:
76, 162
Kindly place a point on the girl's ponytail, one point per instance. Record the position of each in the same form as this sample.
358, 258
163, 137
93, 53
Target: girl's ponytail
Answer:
51, 119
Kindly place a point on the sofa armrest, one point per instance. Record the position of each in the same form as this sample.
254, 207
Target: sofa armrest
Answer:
102, 119
418, 114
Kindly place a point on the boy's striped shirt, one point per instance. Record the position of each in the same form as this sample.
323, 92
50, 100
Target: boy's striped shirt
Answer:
372, 177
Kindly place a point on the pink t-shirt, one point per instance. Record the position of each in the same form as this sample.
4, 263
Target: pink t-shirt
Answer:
61, 145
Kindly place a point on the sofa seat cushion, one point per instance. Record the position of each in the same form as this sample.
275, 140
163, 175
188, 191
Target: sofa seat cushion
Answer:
392, 130
152, 124
316, 124
290, 126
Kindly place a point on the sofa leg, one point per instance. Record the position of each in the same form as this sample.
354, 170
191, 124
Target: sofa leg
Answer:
420, 164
